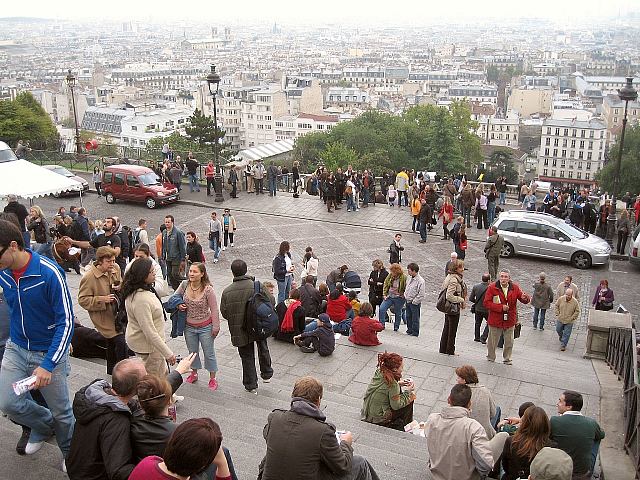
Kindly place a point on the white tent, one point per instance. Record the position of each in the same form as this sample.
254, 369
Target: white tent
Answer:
28, 180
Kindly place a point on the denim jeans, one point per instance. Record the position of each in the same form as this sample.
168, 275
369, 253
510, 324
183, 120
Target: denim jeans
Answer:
365, 196
422, 227
466, 213
413, 319
214, 245
491, 212
538, 317
19, 363
398, 303
193, 183
564, 332
196, 337
351, 204
44, 249
247, 356
272, 185
503, 198
284, 287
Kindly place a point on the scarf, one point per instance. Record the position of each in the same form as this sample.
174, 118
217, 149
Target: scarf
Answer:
287, 323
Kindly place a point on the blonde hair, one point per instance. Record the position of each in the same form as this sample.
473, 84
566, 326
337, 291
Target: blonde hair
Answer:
38, 211
395, 269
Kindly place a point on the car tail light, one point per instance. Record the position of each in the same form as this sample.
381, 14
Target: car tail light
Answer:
634, 252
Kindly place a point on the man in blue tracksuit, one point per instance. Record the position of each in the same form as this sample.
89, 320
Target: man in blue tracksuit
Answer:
40, 331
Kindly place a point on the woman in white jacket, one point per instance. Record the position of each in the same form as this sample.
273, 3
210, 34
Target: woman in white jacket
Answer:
160, 285
309, 266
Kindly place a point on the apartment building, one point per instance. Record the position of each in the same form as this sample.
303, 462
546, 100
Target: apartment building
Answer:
530, 101
105, 121
140, 127
432, 81
158, 76
258, 113
613, 113
571, 151
347, 98
474, 92
292, 127
499, 132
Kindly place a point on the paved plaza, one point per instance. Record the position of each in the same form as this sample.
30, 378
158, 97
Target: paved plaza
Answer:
540, 371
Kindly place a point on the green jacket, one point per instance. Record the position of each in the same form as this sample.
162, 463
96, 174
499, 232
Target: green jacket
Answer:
389, 280
233, 307
381, 399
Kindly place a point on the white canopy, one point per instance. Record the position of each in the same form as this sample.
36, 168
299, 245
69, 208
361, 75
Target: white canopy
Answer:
28, 180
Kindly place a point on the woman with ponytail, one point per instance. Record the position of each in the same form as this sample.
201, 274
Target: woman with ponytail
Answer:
385, 403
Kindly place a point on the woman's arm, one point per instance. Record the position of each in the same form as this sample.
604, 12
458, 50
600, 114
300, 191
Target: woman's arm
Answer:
213, 308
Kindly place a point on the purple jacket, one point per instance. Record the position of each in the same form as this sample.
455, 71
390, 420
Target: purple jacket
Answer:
608, 296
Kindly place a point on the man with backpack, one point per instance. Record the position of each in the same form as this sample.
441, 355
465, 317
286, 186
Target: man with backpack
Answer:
140, 235
240, 304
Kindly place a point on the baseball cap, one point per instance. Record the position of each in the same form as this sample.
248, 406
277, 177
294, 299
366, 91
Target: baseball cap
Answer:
551, 464
324, 318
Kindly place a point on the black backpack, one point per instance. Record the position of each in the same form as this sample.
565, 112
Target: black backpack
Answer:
261, 320
120, 314
75, 231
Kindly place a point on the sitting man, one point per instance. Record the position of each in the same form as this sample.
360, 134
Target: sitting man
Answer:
551, 464
305, 427
576, 434
457, 444
101, 444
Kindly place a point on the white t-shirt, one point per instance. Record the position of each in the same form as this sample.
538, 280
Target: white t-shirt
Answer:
287, 261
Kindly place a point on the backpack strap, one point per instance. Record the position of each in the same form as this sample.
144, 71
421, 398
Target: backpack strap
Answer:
256, 286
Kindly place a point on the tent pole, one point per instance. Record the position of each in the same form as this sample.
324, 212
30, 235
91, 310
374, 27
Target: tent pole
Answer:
81, 198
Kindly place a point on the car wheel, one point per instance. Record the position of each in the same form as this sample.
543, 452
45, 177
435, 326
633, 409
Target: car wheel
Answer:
506, 250
110, 198
150, 202
581, 260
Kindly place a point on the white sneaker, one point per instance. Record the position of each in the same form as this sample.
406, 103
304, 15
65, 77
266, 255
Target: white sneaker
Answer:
215, 260
253, 391
177, 398
64, 466
224, 248
232, 244
32, 448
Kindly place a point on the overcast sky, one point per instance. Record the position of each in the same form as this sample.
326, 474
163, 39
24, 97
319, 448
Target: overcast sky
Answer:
291, 11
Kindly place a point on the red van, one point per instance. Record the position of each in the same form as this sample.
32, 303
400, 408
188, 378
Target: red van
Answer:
136, 184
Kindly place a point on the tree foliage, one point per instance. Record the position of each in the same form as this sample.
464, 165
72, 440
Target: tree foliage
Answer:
500, 163
25, 119
629, 178
423, 138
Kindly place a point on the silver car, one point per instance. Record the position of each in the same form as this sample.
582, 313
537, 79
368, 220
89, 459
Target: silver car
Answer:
543, 235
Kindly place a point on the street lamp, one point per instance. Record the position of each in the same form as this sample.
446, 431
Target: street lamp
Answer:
213, 81
627, 94
71, 82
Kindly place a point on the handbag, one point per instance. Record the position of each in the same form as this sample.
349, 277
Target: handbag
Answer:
463, 245
517, 330
445, 306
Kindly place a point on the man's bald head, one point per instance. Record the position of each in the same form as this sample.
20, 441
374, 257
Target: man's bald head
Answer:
569, 293
454, 255
126, 376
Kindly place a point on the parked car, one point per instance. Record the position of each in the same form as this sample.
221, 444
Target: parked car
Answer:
634, 246
543, 235
6, 154
66, 173
136, 184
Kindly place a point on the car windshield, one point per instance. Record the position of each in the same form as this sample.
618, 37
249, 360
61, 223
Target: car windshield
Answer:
571, 230
7, 155
63, 171
149, 179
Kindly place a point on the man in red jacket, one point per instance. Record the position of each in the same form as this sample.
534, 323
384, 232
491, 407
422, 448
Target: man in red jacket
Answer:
501, 301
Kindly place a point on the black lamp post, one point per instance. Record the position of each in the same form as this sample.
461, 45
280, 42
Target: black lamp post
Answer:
71, 83
213, 81
627, 94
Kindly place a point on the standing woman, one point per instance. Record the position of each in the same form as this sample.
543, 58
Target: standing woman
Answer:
309, 266
229, 227
37, 223
330, 193
622, 228
529, 202
97, 179
145, 330
462, 242
233, 181
491, 204
603, 299
194, 249
376, 283
456, 295
283, 271
446, 213
203, 322
296, 179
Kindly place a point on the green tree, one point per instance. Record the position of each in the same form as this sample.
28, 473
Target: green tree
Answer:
465, 130
629, 178
24, 119
203, 132
337, 154
444, 153
500, 163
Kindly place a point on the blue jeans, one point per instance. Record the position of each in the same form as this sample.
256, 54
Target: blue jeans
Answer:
398, 303
193, 183
496, 418
44, 249
284, 287
351, 205
215, 246
503, 198
26, 236
413, 319
423, 231
466, 213
19, 363
538, 317
491, 212
196, 337
365, 196
311, 326
564, 332
272, 185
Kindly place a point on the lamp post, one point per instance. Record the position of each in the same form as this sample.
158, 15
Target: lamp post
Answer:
71, 83
627, 94
213, 81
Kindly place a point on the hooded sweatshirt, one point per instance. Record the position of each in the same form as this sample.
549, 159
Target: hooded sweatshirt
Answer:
101, 445
381, 399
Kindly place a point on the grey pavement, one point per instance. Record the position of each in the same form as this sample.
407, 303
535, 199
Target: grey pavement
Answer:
540, 371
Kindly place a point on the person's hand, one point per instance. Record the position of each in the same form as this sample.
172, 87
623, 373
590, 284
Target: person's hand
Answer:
172, 360
346, 437
502, 423
214, 333
463, 305
182, 307
109, 298
222, 467
505, 308
297, 337
185, 364
43, 377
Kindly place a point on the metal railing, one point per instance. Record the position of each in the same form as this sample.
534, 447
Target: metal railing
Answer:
623, 360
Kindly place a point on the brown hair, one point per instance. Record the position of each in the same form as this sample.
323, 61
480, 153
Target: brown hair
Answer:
468, 374
533, 433
604, 282
389, 363
203, 270
366, 310
192, 446
454, 265
154, 394
377, 263
308, 388
323, 289
294, 294
105, 252
395, 270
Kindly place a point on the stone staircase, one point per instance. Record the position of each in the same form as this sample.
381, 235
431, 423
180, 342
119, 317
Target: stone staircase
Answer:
241, 416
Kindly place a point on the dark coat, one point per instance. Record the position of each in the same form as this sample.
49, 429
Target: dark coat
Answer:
376, 285
298, 322
233, 307
279, 267
311, 300
324, 339
395, 253
302, 445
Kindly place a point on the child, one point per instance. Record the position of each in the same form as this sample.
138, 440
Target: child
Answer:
321, 340
391, 195
270, 288
355, 303
364, 328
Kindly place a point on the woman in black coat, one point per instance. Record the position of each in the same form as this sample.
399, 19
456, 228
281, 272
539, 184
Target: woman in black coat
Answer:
286, 334
376, 283
295, 174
